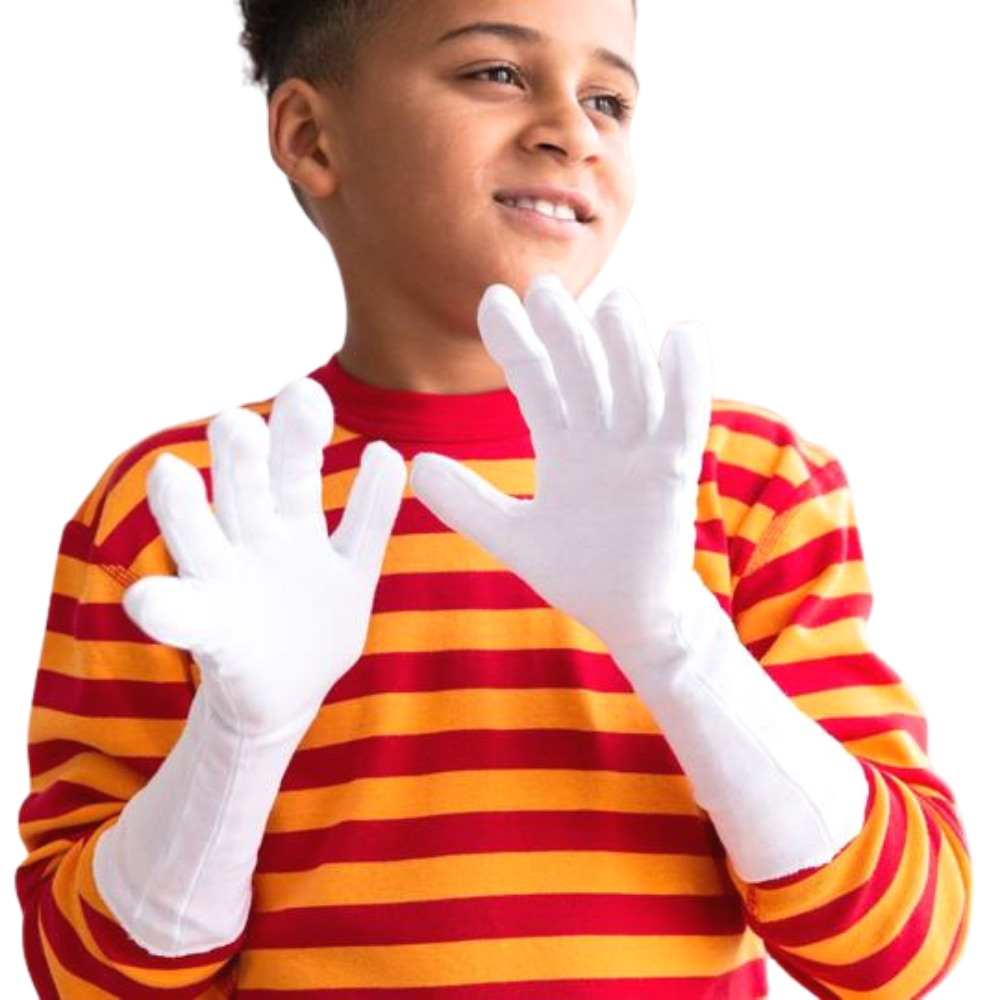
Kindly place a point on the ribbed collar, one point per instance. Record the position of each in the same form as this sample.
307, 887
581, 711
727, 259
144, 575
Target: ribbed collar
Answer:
402, 415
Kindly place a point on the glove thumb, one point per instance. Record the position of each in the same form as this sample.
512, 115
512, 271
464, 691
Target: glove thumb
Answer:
464, 501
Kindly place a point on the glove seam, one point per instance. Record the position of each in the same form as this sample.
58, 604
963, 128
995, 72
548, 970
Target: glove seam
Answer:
175, 826
231, 776
762, 747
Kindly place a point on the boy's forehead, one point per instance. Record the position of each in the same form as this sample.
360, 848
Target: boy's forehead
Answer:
435, 24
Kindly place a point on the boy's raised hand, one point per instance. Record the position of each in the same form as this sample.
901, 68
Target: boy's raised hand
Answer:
273, 609
609, 536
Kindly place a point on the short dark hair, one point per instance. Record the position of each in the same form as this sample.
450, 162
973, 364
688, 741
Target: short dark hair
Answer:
314, 40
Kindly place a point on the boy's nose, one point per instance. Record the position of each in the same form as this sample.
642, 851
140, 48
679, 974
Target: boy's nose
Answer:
563, 126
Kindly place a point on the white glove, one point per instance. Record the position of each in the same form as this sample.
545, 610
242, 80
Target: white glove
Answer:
274, 612
609, 539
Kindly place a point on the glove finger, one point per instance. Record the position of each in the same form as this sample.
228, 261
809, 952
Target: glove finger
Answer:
686, 373
464, 501
637, 392
578, 360
170, 610
301, 426
241, 486
179, 503
514, 345
372, 506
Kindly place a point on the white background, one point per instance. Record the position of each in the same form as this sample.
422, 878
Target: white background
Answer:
818, 185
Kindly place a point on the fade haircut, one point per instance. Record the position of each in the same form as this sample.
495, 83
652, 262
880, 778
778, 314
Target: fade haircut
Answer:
314, 40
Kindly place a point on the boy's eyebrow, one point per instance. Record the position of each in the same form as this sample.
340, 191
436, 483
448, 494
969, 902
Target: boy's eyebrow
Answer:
531, 36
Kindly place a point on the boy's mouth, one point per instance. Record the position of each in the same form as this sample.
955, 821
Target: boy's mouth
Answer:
554, 203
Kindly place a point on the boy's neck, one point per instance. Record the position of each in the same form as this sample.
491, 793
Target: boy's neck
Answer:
445, 367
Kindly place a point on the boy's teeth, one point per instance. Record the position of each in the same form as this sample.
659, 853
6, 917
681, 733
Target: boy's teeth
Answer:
544, 207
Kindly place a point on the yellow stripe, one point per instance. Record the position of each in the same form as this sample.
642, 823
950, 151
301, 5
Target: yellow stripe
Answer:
85, 815
97, 771
893, 747
453, 792
70, 574
68, 985
768, 616
503, 960
738, 518
814, 518
121, 737
103, 659
431, 631
845, 637
413, 713
742, 520
395, 714
464, 876
748, 451
947, 916
430, 553
887, 918
130, 490
509, 475
713, 568
859, 702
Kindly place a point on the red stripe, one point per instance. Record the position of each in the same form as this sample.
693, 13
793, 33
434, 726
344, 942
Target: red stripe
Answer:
738, 483
827, 673
144, 448
877, 969
492, 917
486, 833
479, 750
47, 754
774, 429
29, 887
815, 610
113, 698
58, 798
795, 569
76, 541
863, 728
459, 590
467, 669
136, 530
745, 983
62, 614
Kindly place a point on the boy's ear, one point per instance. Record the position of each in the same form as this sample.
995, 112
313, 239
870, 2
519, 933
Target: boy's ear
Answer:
302, 139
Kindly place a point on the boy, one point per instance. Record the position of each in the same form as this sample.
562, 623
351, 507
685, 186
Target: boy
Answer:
515, 749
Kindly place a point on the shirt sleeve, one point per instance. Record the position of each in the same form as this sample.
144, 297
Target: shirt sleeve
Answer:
887, 916
108, 706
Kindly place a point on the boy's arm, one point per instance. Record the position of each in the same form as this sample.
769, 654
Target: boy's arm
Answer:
609, 539
887, 917
108, 707
173, 868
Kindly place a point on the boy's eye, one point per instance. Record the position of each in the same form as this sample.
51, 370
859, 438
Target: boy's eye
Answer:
620, 106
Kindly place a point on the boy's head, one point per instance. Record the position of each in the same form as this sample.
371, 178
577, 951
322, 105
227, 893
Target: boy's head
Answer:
400, 132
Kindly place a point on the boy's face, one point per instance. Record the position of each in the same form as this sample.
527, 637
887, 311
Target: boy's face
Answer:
427, 139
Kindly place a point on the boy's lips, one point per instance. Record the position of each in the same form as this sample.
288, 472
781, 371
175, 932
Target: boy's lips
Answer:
542, 225
577, 200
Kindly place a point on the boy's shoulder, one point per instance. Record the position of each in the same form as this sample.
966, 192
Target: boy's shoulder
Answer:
758, 459
743, 430
115, 514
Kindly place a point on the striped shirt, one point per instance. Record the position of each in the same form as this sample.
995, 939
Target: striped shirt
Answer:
483, 809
